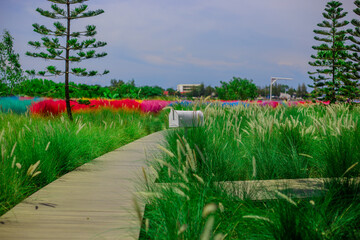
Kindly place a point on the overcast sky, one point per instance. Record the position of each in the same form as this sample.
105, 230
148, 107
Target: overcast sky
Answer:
168, 42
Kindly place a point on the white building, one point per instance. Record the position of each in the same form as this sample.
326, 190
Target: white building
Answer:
185, 88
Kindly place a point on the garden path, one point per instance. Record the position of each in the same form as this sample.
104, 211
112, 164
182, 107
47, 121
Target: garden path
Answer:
95, 201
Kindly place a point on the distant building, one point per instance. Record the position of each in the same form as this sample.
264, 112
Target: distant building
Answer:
185, 88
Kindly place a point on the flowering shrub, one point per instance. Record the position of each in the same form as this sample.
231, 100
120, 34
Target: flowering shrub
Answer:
56, 107
48, 107
153, 106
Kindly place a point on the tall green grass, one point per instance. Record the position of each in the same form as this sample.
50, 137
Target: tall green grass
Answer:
177, 212
60, 146
251, 144
245, 143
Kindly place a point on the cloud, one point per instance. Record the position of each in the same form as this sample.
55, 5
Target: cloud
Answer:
158, 60
189, 40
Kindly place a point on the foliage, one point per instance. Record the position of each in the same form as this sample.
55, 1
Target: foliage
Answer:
301, 91
355, 40
202, 91
237, 89
10, 68
333, 74
276, 90
171, 91
55, 50
188, 208
48, 88
188, 197
61, 146
146, 92
4, 89
116, 83
197, 91
130, 90
292, 142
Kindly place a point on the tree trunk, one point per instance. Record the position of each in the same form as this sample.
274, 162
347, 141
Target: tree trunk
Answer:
67, 70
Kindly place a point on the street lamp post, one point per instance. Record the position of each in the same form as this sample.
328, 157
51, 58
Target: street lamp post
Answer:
273, 80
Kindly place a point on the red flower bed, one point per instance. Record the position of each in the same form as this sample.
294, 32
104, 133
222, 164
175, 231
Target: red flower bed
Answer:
128, 104
56, 107
48, 107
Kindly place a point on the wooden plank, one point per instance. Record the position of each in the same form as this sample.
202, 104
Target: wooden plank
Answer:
93, 202
267, 189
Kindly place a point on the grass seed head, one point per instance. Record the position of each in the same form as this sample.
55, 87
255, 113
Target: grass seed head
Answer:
219, 236
81, 127
13, 149
181, 193
283, 196
200, 180
208, 209
18, 165
47, 146
206, 234
13, 162
32, 168
221, 207
2, 134
35, 174
182, 229
166, 151
254, 167
258, 218
147, 223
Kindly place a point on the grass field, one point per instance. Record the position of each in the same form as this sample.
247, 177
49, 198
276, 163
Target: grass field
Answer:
258, 143
35, 151
253, 143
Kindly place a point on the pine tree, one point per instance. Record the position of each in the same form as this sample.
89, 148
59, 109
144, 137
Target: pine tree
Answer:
56, 51
303, 90
298, 91
355, 47
10, 68
331, 59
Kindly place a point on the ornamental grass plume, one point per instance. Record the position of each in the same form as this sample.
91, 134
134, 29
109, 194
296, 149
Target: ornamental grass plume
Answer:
31, 170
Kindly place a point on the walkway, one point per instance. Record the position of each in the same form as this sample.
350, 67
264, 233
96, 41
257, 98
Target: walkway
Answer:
93, 202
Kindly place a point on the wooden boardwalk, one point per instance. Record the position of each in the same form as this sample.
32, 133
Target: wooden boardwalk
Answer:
93, 202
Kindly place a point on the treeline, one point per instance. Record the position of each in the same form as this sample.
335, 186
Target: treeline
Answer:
277, 89
49, 88
244, 89
235, 89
